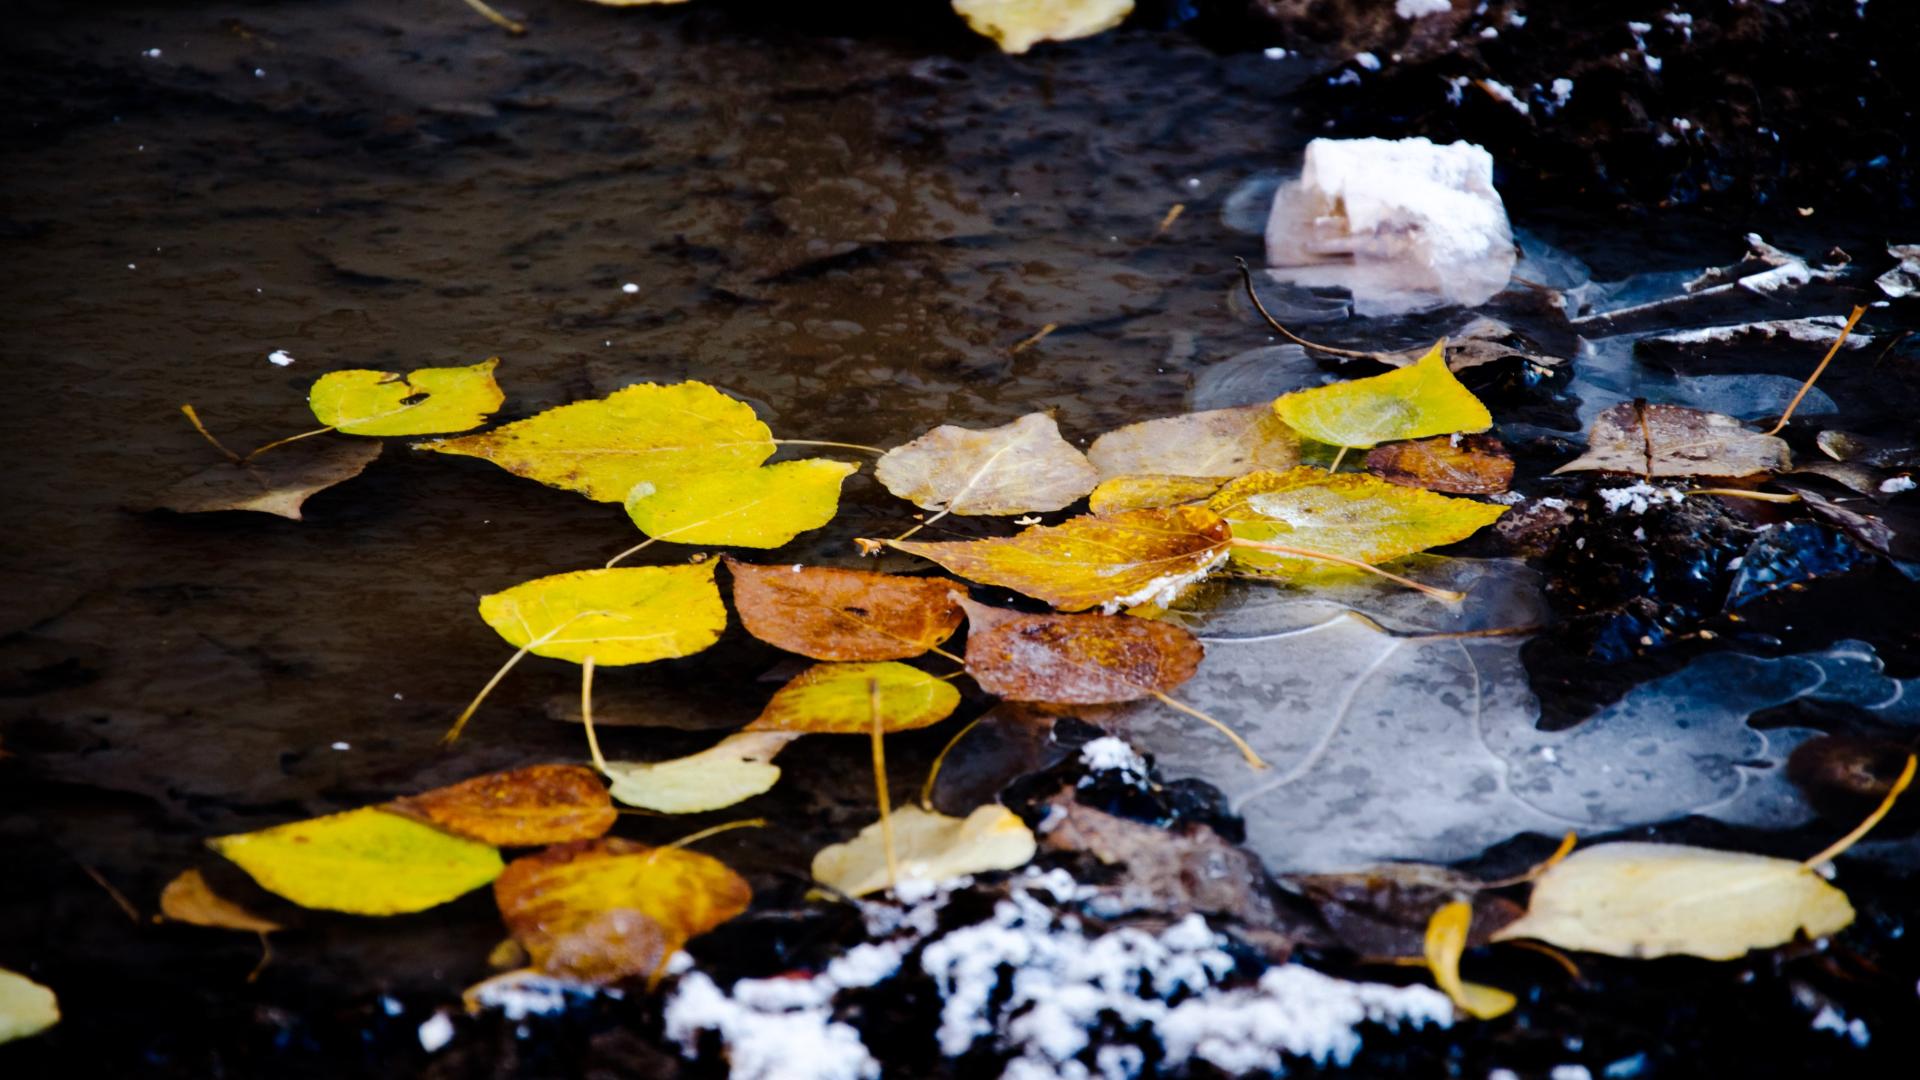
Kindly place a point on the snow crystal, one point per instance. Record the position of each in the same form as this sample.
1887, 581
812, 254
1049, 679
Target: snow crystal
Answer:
1639, 497
1569, 1072
279, 358
1830, 1019
435, 1032
1502, 92
767, 1043
1164, 590
1414, 9
1297, 1011
1274, 52
524, 995
1894, 485
629, 288
1367, 61
1108, 753
1562, 91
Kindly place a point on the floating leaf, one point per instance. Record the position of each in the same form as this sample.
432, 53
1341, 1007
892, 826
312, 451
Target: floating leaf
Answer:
733, 770
1016, 468
1670, 440
1019, 25
930, 847
1077, 659
642, 434
619, 616
278, 483
1412, 402
1123, 493
758, 508
838, 699
365, 862
1117, 561
1385, 910
1469, 465
1446, 941
26, 1007
424, 401
189, 899
537, 805
831, 614
1348, 514
1218, 443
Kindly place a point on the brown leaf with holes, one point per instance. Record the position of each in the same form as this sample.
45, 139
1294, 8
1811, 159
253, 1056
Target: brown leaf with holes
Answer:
1383, 911
1457, 465
1671, 440
833, 614
1076, 659
537, 805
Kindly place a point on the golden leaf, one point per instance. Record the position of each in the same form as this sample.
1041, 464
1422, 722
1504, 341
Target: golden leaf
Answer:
424, 401
838, 699
1412, 402
540, 804
1019, 25
365, 861
1123, 493
1221, 443
929, 847
619, 616
1446, 941
1016, 468
757, 508
1347, 514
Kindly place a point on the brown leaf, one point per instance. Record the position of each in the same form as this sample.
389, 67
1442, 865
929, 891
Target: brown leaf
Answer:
1218, 443
189, 899
1670, 440
1077, 659
607, 947
540, 804
1383, 911
1463, 465
277, 482
832, 614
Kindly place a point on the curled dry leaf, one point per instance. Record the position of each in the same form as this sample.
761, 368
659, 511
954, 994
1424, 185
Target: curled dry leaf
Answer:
1412, 402
627, 615
26, 1007
1349, 514
1446, 941
732, 770
642, 434
1670, 440
1123, 493
364, 862
757, 508
1016, 468
1077, 659
189, 899
537, 805
278, 483
839, 699
832, 614
929, 847
1465, 465
1019, 25
1218, 443
424, 401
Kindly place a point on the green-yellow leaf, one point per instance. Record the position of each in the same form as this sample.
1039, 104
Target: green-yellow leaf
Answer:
1220, 443
758, 508
1144, 492
735, 769
929, 846
1446, 941
642, 434
1412, 402
26, 1007
627, 615
424, 401
1019, 25
838, 699
366, 862
1348, 514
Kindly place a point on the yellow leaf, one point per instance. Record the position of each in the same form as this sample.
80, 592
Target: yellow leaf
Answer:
930, 847
366, 862
642, 434
1350, 514
1113, 562
735, 769
1648, 900
1446, 941
835, 699
1221, 443
628, 615
1016, 468
189, 899
1407, 403
26, 1007
363, 402
1123, 493
1019, 25
759, 508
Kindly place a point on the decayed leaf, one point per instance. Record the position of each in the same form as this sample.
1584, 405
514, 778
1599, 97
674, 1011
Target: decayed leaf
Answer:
189, 899
732, 770
26, 1007
540, 804
1016, 468
424, 401
1670, 440
1350, 514
559, 903
366, 862
1019, 25
838, 699
1412, 402
1123, 493
930, 847
277, 483
1218, 443
1649, 900
832, 614
618, 616
1077, 659
1446, 940
1469, 465
1479, 342
1138, 557
757, 508
642, 434
1384, 911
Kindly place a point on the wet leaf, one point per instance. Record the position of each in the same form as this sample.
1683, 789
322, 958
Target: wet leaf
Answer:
836, 699
1468, 465
619, 616
1218, 443
537, 805
1412, 402
1019, 25
732, 770
832, 614
930, 847
1383, 911
1077, 659
26, 1007
365, 862
1123, 493
1650, 900
757, 508
1016, 468
1670, 440
424, 401
277, 483
1116, 561
1350, 514
1446, 941
657, 434
189, 899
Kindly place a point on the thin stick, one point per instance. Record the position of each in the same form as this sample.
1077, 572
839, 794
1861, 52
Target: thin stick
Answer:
1284, 549
496, 18
1029, 342
1834, 849
1815, 377
119, 898
1741, 493
266, 956
1246, 275
1166, 223
926, 789
880, 784
1239, 743
920, 526
586, 715
1337, 459
258, 450
194, 419
630, 551
696, 837
460, 724
841, 445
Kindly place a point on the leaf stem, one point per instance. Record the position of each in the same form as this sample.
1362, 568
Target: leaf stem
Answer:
194, 419
1337, 459
586, 716
266, 956
880, 784
1565, 849
920, 526
494, 17
1246, 276
1815, 377
460, 723
1834, 849
696, 837
1239, 743
926, 789
878, 452
258, 450
1742, 493
1305, 553
630, 551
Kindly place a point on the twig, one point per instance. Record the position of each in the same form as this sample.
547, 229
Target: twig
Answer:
494, 17
1246, 276
1166, 223
119, 898
1742, 493
1815, 377
1029, 342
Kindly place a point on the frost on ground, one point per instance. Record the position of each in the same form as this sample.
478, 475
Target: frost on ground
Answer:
1031, 985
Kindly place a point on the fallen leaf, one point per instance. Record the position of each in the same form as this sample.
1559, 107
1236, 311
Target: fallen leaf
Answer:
929, 846
832, 614
1411, 402
1470, 465
837, 699
277, 483
1012, 469
610, 946
365, 862
732, 770
642, 434
757, 508
1218, 443
26, 1007
1481, 341
1348, 514
1123, 493
1384, 911
1116, 561
424, 401
1446, 941
189, 899
537, 805
1019, 25
1077, 659
619, 616
1670, 440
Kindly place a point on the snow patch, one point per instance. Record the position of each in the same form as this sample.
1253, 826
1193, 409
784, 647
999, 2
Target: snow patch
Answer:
279, 358
436, 1031
1894, 485
1638, 497
1416, 9
1164, 590
1109, 754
